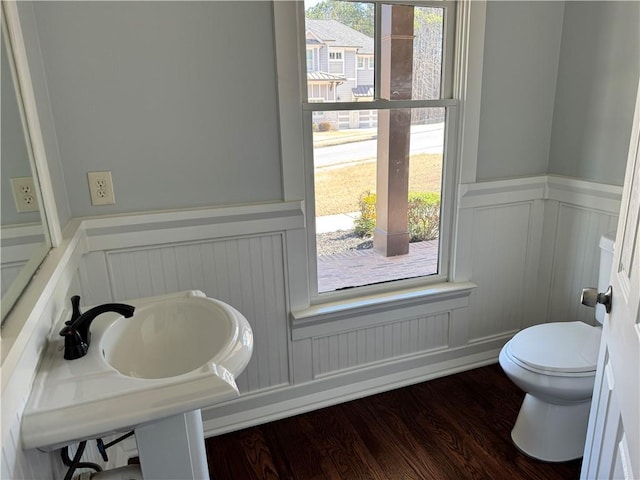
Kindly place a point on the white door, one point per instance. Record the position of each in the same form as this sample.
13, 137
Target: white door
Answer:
612, 449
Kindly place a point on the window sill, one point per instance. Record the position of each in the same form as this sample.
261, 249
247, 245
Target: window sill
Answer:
454, 295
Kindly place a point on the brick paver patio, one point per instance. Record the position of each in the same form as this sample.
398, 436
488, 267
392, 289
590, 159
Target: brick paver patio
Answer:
361, 267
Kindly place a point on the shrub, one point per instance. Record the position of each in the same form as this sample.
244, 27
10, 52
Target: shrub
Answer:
364, 225
325, 126
423, 215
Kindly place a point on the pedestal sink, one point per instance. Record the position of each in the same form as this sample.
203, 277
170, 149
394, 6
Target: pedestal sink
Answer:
150, 373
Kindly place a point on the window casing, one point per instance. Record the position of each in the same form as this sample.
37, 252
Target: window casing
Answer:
296, 143
443, 101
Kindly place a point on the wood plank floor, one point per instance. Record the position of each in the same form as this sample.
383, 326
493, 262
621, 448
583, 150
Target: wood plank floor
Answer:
452, 428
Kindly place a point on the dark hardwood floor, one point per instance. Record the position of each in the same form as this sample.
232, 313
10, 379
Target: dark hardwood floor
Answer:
451, 428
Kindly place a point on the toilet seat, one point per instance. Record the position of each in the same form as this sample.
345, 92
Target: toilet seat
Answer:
561, 348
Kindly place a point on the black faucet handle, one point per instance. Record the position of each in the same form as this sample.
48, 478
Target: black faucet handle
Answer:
75, 304
74, 346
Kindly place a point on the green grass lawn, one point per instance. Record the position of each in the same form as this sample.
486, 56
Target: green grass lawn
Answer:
338, 188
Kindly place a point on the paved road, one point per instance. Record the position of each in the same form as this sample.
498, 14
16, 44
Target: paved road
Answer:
424, 139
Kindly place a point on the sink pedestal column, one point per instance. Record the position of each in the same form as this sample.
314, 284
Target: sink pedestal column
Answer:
173, 448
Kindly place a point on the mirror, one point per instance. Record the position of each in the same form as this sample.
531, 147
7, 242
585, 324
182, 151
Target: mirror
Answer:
24, 237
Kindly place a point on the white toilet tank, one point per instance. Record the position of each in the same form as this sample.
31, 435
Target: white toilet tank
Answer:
604, 273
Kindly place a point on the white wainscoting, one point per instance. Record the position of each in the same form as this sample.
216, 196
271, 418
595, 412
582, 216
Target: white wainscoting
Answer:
340, 352
577, 214
245, 272
527, 245
530, 245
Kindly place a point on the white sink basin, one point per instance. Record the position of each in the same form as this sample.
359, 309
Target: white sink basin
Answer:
171, 337
178, 353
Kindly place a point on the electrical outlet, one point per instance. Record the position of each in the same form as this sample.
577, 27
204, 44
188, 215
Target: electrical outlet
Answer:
101, 188
24, 194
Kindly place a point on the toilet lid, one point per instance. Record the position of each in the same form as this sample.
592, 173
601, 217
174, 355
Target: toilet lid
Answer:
557, 347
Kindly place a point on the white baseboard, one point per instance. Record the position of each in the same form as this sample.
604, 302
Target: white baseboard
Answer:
290, 400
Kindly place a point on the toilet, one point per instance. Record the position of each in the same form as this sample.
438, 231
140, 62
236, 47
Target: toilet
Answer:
555, 365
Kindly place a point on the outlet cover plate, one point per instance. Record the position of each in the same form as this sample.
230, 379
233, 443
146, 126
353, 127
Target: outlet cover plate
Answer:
101, 188
24, 194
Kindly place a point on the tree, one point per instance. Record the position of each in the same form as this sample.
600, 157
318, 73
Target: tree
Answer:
358, 16
427, 61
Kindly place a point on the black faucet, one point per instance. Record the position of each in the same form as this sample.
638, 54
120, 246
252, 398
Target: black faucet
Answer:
77, 336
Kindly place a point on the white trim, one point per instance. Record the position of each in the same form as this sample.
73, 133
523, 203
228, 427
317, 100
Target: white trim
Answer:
291, 93
37, 308
379, 104
124, 231
363, 304
592, 195
500, 192
293, 400
468, 81
330, 318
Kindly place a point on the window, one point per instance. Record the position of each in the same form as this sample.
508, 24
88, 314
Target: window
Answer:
380, 170
336, 62
310, 60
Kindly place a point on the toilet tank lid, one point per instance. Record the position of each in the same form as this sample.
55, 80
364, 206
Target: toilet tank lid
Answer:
569, 347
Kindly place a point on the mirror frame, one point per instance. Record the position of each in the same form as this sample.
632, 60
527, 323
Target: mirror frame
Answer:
16, 50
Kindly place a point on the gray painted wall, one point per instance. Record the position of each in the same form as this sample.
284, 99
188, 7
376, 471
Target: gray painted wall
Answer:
43, 104
597, 83
177, 99
522, 46
15, 157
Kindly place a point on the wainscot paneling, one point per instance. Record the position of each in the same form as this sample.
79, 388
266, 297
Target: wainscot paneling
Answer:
498, 250
577, 213
347, 350
526, 244
245, 272
499, 253
530, 245
575, 259
234, 254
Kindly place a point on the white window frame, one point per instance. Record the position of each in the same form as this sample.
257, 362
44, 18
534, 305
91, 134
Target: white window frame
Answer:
360, 60
461, 147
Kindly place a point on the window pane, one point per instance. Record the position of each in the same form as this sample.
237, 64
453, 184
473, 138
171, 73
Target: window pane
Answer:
341, 35
427, 53
411, 69
350, 151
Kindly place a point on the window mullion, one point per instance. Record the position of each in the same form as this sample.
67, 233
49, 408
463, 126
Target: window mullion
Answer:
377, 42
379, 105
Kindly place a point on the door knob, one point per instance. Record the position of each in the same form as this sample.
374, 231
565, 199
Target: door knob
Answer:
590, 297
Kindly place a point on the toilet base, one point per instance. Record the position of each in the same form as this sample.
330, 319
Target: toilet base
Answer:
553, 433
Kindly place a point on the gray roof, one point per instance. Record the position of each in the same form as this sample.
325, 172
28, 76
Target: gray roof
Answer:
337, 34
322, 76
362, 91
